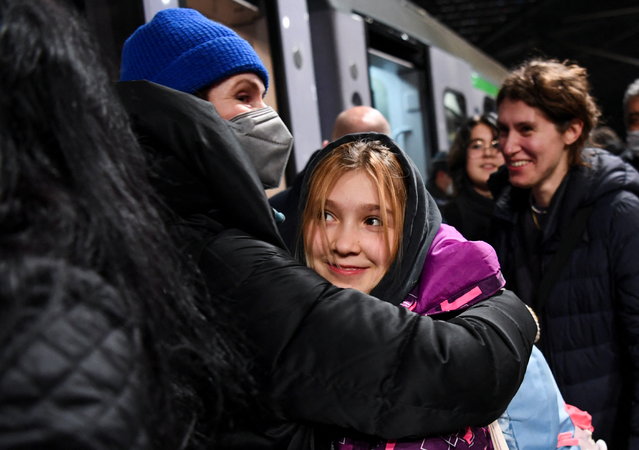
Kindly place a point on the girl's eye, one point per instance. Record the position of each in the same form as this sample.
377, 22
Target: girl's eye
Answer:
373, 221
328, 217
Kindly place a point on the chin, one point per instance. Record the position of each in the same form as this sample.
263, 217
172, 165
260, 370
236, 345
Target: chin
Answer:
522, 184
518, 181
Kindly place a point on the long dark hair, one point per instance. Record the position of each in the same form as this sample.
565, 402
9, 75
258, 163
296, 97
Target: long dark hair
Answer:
73, 187
459, 149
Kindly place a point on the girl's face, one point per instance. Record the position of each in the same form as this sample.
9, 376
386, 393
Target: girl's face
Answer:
483, 158
354, 252
535, 150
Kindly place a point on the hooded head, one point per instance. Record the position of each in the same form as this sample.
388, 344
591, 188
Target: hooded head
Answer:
420, 217
183, 50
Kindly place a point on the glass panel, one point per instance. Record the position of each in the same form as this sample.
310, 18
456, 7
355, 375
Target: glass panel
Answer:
490, 105
455, 109
396, 93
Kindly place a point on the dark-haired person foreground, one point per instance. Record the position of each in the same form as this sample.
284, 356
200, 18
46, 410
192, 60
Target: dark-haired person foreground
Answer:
317, 348
102, 345
567, 235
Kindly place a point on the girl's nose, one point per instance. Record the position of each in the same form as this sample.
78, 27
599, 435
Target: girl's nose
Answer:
345, 240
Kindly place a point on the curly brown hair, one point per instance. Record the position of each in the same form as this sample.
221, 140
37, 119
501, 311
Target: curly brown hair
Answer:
560, 90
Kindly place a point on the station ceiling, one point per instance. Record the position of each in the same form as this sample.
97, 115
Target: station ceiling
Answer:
602, 36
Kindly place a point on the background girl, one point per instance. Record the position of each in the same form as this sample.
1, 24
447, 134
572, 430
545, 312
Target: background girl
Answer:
472, 159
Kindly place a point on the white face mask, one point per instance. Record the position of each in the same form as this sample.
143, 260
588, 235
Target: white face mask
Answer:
632, 141
266, 141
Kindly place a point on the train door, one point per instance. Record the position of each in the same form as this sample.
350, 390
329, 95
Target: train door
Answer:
400, 89
359, 61
395, 87
453, 95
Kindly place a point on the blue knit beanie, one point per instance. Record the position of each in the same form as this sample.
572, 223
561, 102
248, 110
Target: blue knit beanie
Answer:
182, 49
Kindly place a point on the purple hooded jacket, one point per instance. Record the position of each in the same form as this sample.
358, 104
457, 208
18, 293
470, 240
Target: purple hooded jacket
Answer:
457, 273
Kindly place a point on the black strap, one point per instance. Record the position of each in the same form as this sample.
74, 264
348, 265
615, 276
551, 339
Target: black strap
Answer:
571, 236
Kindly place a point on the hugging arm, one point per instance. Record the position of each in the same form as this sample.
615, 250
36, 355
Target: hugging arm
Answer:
340, 357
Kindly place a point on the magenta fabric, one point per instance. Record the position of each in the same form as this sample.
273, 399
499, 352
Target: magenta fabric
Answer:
457, 273
468, 439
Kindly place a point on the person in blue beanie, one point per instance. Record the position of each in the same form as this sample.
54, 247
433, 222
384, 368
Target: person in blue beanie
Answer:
183, 50
193, 89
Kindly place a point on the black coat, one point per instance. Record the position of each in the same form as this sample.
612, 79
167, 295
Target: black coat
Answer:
324, 356
469, 212
71, 365
590, 321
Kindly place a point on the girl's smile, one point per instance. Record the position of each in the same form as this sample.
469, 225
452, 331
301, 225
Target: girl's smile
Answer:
353, 252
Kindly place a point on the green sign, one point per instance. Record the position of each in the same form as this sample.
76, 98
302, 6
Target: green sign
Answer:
484, 85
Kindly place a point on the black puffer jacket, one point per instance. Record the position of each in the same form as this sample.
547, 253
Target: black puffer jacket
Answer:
590, 322
70, 362
324, 356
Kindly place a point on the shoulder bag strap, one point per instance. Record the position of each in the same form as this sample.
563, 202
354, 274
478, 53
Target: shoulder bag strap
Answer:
497, 436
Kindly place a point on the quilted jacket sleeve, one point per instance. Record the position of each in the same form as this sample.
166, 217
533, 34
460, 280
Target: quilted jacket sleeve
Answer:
339, 357
69, 362
624, 245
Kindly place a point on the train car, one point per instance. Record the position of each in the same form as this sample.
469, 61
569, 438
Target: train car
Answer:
392, 55
328, 55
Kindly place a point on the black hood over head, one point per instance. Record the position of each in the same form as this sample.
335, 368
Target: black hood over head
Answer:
421, 220
196, 163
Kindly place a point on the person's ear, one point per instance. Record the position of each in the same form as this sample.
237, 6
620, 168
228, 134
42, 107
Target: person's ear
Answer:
574, 130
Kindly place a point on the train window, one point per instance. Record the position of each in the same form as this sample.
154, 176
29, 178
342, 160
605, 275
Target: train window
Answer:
455, 109
490, 105
396, 88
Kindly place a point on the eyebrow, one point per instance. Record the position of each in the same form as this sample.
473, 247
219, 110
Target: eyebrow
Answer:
517, 124
368, 207
251, 84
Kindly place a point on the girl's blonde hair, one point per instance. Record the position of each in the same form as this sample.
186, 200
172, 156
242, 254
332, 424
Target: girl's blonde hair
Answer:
380, 164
